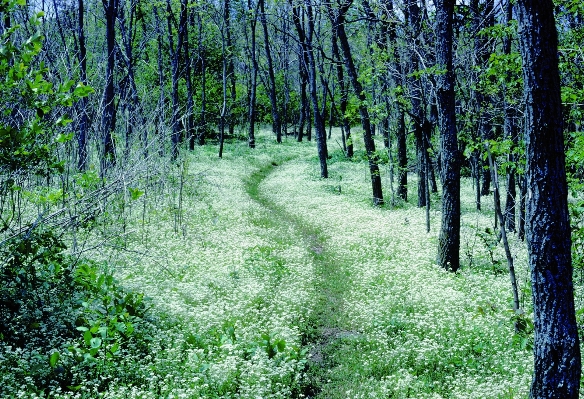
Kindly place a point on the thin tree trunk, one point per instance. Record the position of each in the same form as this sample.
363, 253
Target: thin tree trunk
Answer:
190, 122
317, 116
108, 119
510, 133
160, 107
276, 126
230, 67
133, 104
345, 125
254, 76
174, 59
202, 129
364, 113
497, 199
82, 104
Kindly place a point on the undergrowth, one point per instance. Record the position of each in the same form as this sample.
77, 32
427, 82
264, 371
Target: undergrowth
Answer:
249, 276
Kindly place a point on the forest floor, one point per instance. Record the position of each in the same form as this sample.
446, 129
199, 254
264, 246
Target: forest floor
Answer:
266, 281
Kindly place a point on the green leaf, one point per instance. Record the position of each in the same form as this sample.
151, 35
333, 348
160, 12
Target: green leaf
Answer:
281, 345
95, 342
87, 337
135, 193
53, 359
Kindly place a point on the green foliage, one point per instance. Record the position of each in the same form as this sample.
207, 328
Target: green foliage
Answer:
28, 123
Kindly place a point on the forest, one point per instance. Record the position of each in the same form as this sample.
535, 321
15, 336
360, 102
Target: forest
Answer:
291, 199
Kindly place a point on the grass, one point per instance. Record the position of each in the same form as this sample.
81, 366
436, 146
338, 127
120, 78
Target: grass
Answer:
275, 283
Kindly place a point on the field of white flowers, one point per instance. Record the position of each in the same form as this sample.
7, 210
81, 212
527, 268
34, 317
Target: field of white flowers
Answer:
266, 281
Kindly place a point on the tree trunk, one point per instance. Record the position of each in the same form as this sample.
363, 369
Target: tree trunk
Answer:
557, 363
108, 119
317, 115
254, 76
174, 61
230, 67
363, 112
82, 104
128, 33
202, 128
345, 125
402, 155
190, 125
161, 97
276, 126
449, 239
510, 133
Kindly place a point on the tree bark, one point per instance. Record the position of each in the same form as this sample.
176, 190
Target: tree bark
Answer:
82, 103
174, 60
345, 125
317, 115
108, 119
363, 112
276, 126
557, 363
510, 133
449, 239
254, 76
230, 67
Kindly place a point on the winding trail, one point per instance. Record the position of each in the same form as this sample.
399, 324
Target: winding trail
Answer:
327, 320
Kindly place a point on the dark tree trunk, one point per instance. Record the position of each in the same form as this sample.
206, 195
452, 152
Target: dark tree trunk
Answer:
227, 69
108, 119
363, 112
82, 104
449, 239
174, 61
317, 115
276, 126
402, 156
522, 200
303, 69
345, 125
190, 122
421, 163
202, 128
557, 363
230, 67
128, 33
510, 133
161, 97
418, 112
254, 76
398, 112
482, 20
303, 103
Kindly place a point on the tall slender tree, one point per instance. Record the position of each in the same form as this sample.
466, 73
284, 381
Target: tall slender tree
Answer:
338, 16
82, 103
557, 363
108, 121
276, 126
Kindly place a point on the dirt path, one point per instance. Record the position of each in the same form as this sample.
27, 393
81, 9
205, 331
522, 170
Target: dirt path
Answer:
325, 325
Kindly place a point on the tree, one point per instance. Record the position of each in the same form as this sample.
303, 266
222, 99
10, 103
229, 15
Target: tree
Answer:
175, 52
338, 17
109, 112
557, 362
82, 105
253, 11
449, 239
276, 126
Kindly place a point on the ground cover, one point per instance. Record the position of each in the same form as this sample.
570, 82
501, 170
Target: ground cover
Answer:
265, 281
